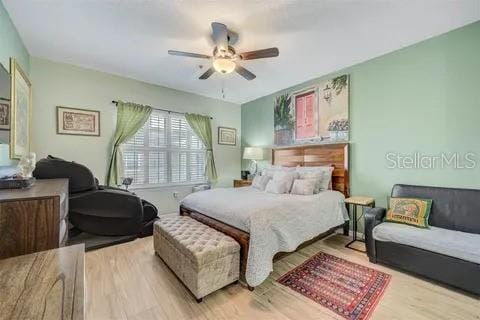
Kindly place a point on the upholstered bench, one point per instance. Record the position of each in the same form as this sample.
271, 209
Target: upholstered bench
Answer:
204, 259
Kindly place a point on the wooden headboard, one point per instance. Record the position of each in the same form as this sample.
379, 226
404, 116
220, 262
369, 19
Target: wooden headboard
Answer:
318, 155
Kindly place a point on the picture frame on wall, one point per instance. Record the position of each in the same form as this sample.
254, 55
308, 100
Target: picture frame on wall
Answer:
20, 111
78, 122
4, 114
227, 136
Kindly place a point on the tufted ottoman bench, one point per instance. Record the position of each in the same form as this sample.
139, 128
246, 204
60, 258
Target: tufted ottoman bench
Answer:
204, 259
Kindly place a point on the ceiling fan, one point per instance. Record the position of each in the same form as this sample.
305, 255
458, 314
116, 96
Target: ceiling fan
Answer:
224, 55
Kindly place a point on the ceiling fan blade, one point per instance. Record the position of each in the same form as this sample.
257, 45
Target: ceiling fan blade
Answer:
188, 54
207, 74
244, 73
220, 36
260, 54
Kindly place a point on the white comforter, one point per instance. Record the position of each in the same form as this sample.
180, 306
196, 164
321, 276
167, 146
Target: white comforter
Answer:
276, 222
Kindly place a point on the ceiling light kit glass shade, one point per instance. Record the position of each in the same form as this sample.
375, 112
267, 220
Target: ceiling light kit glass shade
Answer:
224, 65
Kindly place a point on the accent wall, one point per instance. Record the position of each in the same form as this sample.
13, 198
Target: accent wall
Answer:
415, 104
11, 45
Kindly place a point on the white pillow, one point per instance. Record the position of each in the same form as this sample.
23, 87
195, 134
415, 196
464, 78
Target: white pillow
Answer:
316, 176
323, 183
286, 176
278, 186
271, 170
260, 182
303, 186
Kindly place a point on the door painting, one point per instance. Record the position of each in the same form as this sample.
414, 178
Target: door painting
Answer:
319, 114
305, 116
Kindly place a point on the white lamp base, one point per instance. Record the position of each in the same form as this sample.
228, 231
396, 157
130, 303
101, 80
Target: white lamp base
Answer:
253, 167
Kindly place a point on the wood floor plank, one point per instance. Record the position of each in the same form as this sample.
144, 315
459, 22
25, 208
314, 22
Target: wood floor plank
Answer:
129, 281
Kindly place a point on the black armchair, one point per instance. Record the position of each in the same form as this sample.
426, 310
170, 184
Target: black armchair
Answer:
97, 209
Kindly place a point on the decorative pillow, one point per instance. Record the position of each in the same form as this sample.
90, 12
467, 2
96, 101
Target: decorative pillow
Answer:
260, 182
278, 186
322, 174
287, 177
409, 211
271, 170
303, 186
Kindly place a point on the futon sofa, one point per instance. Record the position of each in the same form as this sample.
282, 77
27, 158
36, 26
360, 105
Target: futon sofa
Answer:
448, 252
96, 209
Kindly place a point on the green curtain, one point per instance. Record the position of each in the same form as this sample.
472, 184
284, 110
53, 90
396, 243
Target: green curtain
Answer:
130, 119
203, 129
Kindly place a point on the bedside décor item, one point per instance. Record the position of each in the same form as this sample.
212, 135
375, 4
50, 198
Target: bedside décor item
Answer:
357, 202
203, 258
21, 105
349, 289
79, 122
27, 164
242, 183
244, 174
253, 154
4, 114
227, 136
409, 211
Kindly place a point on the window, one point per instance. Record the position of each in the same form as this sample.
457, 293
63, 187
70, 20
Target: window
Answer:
165, 151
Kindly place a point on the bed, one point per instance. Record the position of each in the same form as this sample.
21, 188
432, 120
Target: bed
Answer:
264, 224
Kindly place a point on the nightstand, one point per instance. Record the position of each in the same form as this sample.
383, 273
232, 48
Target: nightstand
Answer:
237, 183
357, 202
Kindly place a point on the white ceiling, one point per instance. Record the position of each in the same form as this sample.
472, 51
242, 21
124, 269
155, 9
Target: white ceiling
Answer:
131, 37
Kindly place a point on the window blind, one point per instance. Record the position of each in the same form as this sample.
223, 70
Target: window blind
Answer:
165, 151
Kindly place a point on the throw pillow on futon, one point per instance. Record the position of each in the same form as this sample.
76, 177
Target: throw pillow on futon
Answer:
409, 211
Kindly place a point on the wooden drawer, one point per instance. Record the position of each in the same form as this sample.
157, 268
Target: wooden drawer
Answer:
241, 183
34, 219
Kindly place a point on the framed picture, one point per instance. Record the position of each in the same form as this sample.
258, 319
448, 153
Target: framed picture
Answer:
21, 108
227, 136
4, 114
80, 122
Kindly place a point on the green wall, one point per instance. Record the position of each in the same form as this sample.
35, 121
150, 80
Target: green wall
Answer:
11, 45
423, 98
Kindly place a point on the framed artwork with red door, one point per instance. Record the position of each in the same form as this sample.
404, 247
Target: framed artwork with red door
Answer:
317, 114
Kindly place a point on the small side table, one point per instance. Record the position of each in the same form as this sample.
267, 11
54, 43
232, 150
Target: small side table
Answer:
357, 202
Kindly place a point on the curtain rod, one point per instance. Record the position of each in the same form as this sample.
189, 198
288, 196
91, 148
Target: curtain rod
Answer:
164, 110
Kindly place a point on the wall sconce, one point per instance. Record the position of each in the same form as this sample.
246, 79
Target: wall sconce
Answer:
327, 93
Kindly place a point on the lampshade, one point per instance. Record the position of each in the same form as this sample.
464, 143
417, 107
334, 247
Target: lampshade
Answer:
253, 153
224, 65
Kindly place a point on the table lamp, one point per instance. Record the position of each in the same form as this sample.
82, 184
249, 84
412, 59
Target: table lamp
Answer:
253, 154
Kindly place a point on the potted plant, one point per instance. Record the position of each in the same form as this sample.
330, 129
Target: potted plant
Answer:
284, 123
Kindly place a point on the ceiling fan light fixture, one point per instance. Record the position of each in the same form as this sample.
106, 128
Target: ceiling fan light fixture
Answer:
224, 65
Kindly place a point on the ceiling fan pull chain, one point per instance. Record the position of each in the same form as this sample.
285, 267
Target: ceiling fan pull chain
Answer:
223, 89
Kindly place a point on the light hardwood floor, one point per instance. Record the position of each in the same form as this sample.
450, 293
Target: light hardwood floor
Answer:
129, 281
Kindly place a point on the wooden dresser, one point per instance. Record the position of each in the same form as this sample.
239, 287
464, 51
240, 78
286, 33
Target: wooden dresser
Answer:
33, 219
44, 285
